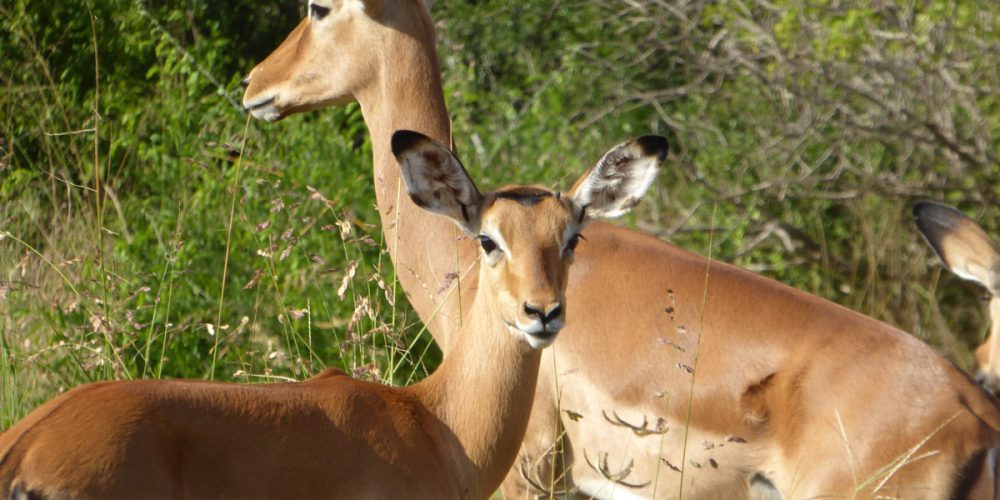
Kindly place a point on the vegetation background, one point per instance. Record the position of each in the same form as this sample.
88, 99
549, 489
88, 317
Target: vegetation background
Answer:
148, 229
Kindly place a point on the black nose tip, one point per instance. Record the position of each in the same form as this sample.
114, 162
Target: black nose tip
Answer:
245, 81
531, 310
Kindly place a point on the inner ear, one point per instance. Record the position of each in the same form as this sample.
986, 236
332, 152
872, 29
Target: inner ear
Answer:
619, 179
435, 179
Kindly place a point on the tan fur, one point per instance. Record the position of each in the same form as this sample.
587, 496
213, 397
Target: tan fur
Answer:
814, 397
453, 435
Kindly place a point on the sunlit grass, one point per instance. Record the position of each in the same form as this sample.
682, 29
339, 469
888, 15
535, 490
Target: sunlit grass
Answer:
123, 221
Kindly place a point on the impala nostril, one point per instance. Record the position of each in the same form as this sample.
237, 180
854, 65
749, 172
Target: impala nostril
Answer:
531, 310
245, 81
553, 314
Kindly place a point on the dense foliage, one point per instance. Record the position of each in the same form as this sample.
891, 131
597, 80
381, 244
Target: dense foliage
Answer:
150, 230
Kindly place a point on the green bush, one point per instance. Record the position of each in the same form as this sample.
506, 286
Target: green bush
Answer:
130, 283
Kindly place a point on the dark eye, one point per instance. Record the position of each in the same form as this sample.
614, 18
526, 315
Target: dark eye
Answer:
318, 11
488, 245
573, 242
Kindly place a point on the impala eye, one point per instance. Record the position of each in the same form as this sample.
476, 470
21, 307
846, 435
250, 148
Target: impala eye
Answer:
574, 241
318, 11
489, 246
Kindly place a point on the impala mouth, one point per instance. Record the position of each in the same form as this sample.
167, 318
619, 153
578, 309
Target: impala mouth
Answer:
263, 108
537, 335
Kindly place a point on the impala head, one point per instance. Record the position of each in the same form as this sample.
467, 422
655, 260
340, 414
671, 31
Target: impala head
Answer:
331, 55
966, 250
527, 234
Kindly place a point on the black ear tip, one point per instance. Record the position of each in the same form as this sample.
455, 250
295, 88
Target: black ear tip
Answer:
921, 207
654, 144
937, 211
405, 139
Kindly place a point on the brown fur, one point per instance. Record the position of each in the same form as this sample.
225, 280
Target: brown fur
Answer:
848, 396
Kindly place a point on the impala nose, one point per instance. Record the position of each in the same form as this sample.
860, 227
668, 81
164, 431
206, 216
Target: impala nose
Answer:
554, 312
245, 81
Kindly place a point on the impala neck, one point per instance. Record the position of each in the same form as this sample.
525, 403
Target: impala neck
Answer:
993, 341
408, 95
482, 394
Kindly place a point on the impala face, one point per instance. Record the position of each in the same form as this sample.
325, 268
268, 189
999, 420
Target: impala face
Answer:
527, 237
527, 234
323, 61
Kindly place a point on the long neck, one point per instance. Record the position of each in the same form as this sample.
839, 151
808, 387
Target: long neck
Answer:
482, 395
408, 95
993, 341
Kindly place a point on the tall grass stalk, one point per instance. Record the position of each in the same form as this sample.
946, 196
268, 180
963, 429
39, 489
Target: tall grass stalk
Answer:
229, 240
697, 355
122, 198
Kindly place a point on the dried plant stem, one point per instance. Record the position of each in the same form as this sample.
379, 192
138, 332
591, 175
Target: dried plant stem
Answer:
694, 364
229, 239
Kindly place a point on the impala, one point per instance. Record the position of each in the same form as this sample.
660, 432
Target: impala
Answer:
679, 376
453, 435
967, 251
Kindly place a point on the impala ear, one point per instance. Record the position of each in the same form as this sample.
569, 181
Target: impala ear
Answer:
614, 185
960, 243
436, 180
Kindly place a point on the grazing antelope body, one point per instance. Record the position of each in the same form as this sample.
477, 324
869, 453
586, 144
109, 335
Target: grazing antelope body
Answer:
453, 435
967, 251
680, 376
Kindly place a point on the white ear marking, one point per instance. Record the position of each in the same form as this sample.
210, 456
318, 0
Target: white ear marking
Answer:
614, 185
435, 179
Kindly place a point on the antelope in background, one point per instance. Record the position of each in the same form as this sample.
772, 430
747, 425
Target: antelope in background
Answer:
967, 251
678, 376
453, 435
